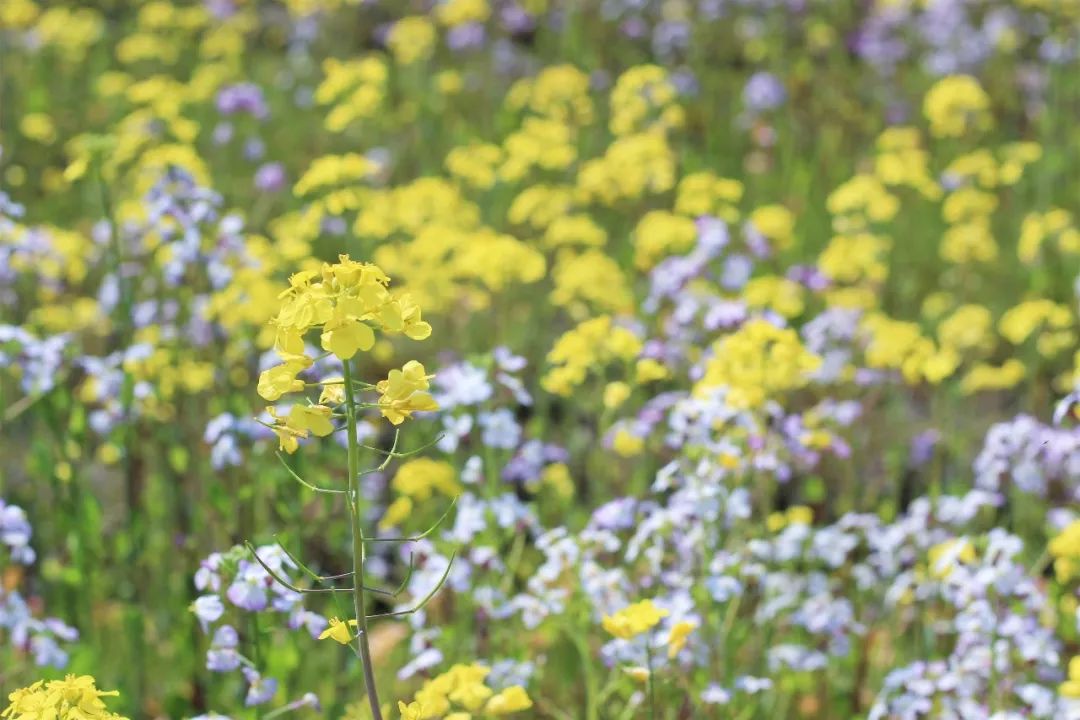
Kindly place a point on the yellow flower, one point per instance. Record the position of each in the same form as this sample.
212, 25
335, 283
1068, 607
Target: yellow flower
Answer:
412, 711
956, 104
627, 444
471, 695
945, 556
638, 673
649, 370
411, 39
404, 392
313, 418
615, 394
1065, 549
634, 619
680, 631
345, 336
333, 391
756, 363
339, 631
985, 376
1071, 687
289, 437
512, 699
418, 479
776, 223
557, 476
281, 379
396, 512
73, 698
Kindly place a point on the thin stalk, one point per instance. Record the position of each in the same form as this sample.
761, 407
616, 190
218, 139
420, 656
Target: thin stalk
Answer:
651, 679
362, 646
591, 692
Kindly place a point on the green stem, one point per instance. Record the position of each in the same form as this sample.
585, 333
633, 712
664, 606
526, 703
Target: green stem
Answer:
591, 692
651, 680
362, 646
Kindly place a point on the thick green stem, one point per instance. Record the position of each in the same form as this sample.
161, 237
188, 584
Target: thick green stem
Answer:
363, 649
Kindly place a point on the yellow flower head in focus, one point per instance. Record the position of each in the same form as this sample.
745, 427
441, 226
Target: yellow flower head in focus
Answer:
404, 392
73, 698
339, 631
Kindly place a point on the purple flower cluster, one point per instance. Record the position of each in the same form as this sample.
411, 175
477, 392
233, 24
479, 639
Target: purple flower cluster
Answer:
236, 587
41, 638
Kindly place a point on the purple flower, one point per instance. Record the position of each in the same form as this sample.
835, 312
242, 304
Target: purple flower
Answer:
270, 177
242, 98
222, 659
500, 429
763, 91
260, 689
248, 591
208, 609
465, 37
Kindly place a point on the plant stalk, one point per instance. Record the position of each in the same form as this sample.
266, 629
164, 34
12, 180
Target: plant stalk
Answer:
362, 646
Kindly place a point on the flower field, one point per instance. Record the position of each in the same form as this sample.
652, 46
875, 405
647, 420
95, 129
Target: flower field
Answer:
556, 359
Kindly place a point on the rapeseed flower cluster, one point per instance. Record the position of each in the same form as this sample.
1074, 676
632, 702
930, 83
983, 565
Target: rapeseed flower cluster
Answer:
73, 698
462, 686
801, 359
757, 363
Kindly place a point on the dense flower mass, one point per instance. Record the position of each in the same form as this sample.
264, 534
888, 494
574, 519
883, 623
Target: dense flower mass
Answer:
455, 359
73, 698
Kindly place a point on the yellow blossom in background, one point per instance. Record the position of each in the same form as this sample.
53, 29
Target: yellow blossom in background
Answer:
631, 167
794, 515
411, 39
634, 619
421, 477
969, 327
475, 164
1064, 548
955, 105
944, 557
511, 700
986, 376
776, 223
644, 98
591, 344
615, 394
626, 443
660, 233
703, 193
779, 294
590, 280
458, 12
559, 92
678, 636
567, 230
757, 362
649, 370
1071, 687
